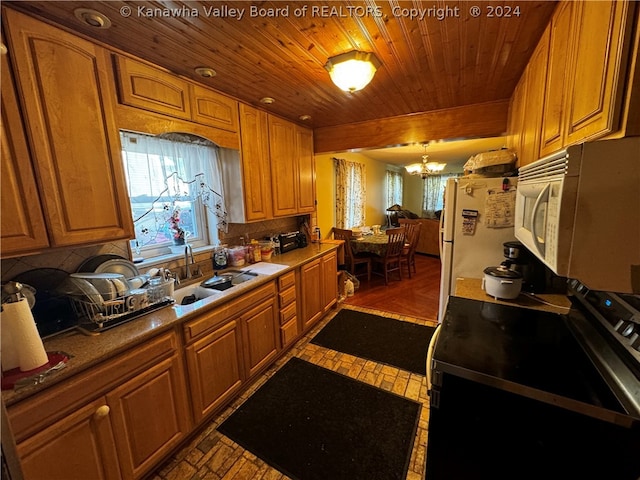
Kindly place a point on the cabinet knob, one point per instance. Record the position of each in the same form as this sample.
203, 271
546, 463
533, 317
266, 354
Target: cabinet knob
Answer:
101, 412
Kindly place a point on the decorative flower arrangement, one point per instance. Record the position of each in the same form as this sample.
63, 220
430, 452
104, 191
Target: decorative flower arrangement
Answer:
178, 232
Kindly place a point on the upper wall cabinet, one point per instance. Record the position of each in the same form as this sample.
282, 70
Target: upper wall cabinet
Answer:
292, 168
22, 228
577, 77
256, 175
71, 132
152, 89
149, 88
596, 81
211, 108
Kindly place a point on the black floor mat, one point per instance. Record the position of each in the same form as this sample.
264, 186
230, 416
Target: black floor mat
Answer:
314, 424
381, 339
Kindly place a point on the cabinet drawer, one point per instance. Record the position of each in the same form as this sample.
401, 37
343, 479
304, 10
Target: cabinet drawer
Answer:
287, 280
216, 317
288, 313
149, 88
289, 332
35, 413
286, 297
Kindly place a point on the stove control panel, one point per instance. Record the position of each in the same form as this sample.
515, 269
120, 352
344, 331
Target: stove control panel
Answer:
620, 312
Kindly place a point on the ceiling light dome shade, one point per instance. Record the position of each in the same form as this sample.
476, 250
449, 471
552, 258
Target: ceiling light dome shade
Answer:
352, 71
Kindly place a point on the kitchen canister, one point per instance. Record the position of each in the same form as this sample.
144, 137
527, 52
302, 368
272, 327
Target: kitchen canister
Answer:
21, 344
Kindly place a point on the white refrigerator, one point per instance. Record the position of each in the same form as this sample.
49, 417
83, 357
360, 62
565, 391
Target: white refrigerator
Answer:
476, 220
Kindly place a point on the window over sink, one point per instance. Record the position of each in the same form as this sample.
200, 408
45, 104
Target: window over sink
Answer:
176, 191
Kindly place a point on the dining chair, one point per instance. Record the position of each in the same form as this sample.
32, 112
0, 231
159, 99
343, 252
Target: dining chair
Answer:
408, 256
391, 260
352, 260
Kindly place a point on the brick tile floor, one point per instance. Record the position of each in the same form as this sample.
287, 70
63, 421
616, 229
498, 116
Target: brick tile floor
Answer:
212, 456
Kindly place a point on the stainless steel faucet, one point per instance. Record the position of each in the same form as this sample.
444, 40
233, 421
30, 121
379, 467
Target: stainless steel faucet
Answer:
188, 261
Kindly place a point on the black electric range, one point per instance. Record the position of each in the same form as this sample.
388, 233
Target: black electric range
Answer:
520, 393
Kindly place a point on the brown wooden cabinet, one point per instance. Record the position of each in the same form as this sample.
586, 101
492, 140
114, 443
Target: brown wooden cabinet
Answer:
149, 415
219, 352
22, 222
214, 109
227, 345
78, 447
319, 288
555, 90
306, 171
143, 86
284, 179
116, 421
587, 67
292, 168
290, 329
71, 131
261, 336
256, 173
598, 68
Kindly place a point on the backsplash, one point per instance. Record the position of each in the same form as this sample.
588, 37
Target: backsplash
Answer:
70, 259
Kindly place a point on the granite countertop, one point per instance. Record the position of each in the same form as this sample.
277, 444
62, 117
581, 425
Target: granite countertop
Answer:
547, 302
87, 350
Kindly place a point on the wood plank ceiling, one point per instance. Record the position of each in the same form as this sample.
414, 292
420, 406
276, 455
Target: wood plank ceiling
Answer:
279, 50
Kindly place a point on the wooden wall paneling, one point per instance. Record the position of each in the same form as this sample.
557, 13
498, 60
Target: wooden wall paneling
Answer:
482, 120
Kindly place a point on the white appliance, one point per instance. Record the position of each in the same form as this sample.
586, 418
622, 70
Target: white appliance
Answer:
467, 249
578, 211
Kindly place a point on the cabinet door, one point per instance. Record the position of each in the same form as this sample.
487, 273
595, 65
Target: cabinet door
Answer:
79, 447
23, 228
560, 59
215, 369
532, 118
329, 280
67, 97
306, 171
149, 88
597, 79
149, 417
261, 335
256, 175
213, 109
516, 116
284, 177
312, 301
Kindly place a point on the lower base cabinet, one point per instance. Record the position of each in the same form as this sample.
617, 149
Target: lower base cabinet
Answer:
215, 369
140, 415
319, 287
79, 447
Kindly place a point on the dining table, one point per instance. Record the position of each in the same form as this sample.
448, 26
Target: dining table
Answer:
372, 243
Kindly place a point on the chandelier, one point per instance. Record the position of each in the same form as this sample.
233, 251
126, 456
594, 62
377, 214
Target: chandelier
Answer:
426, 168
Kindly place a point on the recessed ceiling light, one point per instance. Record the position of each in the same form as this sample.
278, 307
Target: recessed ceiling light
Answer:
267, 100
304, 118
206, 72
92, 18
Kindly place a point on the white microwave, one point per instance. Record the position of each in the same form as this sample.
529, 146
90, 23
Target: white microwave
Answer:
578, 211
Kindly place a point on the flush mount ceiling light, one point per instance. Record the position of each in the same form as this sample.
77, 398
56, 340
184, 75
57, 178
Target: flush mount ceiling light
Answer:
352, 71
93, 18
426, 168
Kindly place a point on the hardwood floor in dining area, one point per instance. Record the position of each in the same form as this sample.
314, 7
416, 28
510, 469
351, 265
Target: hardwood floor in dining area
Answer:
416, 296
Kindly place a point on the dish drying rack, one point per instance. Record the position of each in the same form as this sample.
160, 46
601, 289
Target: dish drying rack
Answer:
97, 315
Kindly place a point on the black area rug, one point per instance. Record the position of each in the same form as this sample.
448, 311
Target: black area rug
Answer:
314, 424
381, 339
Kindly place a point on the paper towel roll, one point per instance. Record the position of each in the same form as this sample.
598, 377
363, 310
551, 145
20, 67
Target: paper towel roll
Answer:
18, 320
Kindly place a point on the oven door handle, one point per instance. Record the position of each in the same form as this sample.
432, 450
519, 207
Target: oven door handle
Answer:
430, 350
543, 197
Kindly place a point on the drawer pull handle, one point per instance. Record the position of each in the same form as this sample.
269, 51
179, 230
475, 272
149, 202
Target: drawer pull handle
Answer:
101, 412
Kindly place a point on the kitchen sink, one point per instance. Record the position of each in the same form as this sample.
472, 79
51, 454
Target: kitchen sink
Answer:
192, 293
